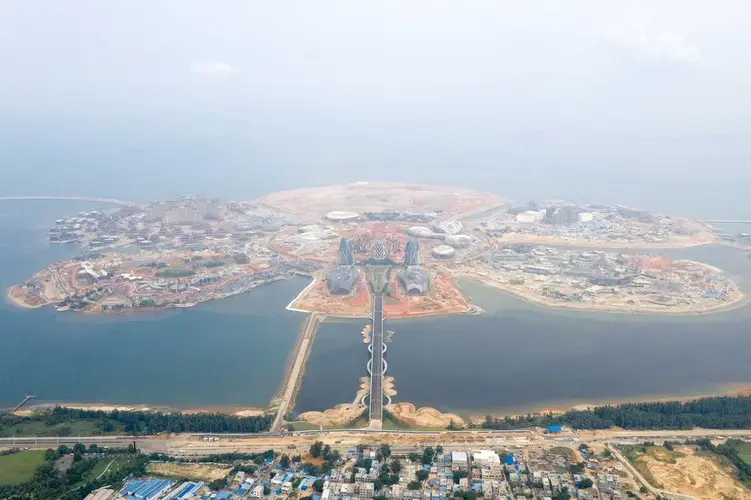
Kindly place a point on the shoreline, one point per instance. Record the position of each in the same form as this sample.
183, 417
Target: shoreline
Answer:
741, 300
16, 302
470, 415
429, 416
293, 303
12, 300
240, 411
727, 390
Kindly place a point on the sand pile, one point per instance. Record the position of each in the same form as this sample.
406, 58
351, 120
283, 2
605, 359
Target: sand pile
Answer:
339, 415
424, 417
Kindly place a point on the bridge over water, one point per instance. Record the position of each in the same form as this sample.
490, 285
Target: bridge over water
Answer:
377, 365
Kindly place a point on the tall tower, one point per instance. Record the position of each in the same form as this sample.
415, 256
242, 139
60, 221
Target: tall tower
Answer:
412, 253
346, 257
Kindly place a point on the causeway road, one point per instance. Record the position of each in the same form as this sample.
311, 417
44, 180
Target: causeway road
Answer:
293, 380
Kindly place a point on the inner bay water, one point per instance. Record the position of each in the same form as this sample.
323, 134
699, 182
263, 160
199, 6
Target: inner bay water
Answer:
521, 357
231, 352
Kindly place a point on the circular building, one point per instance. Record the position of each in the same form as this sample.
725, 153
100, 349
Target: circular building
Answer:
443, 252
420, 232
457, 240
448, 226
341, 215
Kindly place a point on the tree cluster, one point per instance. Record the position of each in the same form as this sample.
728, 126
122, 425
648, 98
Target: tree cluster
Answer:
141, 422
722, 412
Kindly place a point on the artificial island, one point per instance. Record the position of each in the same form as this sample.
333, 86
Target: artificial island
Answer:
414, 240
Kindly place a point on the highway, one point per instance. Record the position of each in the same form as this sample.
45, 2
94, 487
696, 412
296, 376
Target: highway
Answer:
202, 444
376, 365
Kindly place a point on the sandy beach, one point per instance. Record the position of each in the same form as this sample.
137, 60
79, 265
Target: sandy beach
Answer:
108, 407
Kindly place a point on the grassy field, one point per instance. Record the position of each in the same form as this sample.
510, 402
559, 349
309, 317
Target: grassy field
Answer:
302, 425
744, 450
19, 467
117, 464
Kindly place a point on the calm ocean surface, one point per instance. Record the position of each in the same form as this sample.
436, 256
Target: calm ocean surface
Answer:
225, 353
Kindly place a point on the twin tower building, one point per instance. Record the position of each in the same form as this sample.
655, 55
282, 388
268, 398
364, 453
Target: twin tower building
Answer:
342, 279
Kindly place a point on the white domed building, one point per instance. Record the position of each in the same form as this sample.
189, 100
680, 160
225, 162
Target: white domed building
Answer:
420, 232
457, 240
341, 216
449, 226
443, 252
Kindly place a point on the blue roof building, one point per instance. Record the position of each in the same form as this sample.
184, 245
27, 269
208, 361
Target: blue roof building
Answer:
553, 429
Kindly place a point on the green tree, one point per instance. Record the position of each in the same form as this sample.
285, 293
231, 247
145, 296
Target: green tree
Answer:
218, 484
439, 450
458, 474
584, 484
77, 457
422, 475
385, 451
396, 466
284, 462
414, 457
316, 449
318, 485
562, 495
576, 468
414, 485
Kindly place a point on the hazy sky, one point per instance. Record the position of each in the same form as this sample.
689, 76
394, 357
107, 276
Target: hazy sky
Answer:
494, 93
